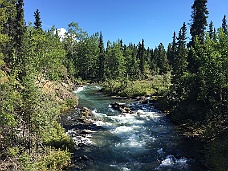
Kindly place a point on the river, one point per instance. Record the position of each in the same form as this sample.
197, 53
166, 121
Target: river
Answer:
143, 141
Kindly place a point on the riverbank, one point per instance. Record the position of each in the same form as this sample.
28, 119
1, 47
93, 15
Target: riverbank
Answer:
207, 150
31, 138
188, 132
140, 131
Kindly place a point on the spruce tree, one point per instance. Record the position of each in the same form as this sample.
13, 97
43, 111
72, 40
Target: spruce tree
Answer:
224, 24
180, 60
174, 49
134, 66
38, 22
162, 61
141, 57
101, 58
211, 30
9, 29
199, 20
4, 37
169, 52
214, 34
20, 29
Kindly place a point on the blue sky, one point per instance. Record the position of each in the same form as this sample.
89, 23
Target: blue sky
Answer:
129, 20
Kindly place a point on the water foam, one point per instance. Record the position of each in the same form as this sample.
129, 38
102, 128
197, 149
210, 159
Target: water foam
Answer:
79, 89
171, 162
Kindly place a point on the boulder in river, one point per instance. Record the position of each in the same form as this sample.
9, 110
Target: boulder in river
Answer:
121, 107
85, 112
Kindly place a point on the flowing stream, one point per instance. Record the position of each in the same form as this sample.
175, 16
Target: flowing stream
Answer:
143, 141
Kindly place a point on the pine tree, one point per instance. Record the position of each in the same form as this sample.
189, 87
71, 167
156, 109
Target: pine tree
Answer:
38, 22
199, 20
224, 24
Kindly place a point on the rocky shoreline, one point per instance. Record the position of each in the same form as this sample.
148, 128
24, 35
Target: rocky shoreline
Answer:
79, 126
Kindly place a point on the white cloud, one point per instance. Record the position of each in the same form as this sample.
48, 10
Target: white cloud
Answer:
61, 33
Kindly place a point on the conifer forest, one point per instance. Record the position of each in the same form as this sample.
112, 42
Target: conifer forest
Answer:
39, 70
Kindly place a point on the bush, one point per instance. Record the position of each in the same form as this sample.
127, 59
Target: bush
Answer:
50, 159
156, 85
54, 160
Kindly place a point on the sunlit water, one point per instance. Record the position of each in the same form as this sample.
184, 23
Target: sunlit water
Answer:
142, 141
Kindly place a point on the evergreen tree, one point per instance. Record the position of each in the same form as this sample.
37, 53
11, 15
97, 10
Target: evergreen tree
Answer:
86, 58
3, 37
9, 29
211, 30
20, 24
101, 58
169, 53
224, 24
38, 22
180, 59
214, 35
199, 20
134, 71
19, 34
154, 61
173, 50
162, 61
181, 48
197, 29
115, 62
141, 57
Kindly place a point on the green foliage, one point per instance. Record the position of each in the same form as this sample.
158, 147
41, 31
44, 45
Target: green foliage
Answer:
115, 62
55, 160
199, 93
50, 159
31, 57
28, 115
157, 85
44, 53
10, 102
13, 151
71, 102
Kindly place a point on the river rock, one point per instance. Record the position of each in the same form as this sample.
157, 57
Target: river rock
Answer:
87, 132
81, 145
85, 112
121, 107
84, 158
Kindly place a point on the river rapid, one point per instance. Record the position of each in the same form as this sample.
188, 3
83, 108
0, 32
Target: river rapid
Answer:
143, 141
